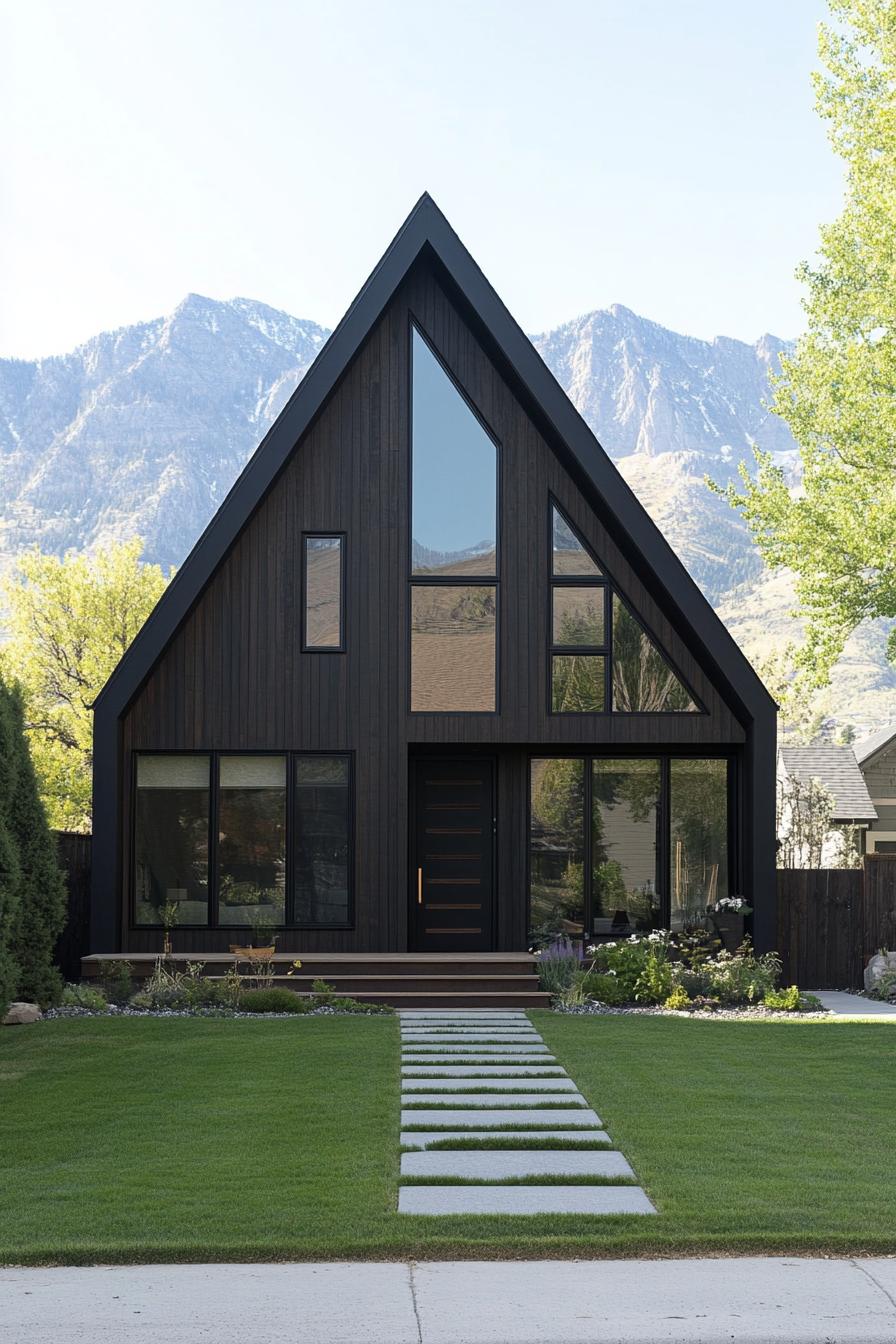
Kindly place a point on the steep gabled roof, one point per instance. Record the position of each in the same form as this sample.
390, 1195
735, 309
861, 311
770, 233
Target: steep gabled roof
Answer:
874, 744
426, 230
838, 770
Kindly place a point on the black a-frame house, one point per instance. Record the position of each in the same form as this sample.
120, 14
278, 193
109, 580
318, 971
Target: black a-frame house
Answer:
431, 680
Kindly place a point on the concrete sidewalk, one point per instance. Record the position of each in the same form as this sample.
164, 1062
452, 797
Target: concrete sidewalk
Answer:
843, 1004
738, 1301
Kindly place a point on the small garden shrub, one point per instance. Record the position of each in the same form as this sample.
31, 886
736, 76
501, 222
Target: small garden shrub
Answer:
603, 988
783, 1000
558, 965
640, 964
678, 1000
84, 996
322, 990
274, 1001
885, 989
116, 979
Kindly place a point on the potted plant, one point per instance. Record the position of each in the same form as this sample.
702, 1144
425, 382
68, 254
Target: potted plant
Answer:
169, 914
727, 918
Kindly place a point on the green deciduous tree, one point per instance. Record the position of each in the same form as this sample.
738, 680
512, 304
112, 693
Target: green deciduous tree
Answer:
10, 873
837, 392
70, 620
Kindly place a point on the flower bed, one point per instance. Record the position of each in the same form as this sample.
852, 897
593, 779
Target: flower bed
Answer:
681, 973
170, 992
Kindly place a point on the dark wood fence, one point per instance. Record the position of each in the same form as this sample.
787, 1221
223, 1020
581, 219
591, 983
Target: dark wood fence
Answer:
74, 859
831, 920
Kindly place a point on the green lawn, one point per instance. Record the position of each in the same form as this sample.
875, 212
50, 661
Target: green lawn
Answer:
142, 1140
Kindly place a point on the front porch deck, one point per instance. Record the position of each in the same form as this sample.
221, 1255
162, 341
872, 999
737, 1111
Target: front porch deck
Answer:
405, 979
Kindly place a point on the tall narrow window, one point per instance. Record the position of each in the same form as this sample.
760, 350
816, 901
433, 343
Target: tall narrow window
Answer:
557, 848
321, 845
324, 586
454, 557
699, 837
171, 838
251, 839
625, 803
578, 634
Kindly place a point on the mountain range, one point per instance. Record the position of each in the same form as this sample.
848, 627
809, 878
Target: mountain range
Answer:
144, 429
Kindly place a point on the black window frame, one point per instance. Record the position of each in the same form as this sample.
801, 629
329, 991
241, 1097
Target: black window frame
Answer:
319, 534
734, 834
212, 925
603, 579
450, 580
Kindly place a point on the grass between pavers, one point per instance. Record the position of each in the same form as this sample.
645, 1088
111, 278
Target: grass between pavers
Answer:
141, 1140
569, 1178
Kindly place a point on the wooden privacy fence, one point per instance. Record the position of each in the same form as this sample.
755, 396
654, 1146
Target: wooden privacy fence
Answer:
831, 920
74, 858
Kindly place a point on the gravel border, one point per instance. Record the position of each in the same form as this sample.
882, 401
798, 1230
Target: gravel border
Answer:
757, 1014
114, 1010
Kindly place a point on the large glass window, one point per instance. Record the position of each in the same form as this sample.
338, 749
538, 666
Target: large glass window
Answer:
699, 837
568, 553
453, 648
251, 839
322, 850
324, 616
454, 476
625, 800
454, 559
652, 853
557, 848
281, 846
171, 838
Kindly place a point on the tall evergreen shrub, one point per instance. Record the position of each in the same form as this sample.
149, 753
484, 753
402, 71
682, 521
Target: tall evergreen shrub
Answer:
10, 872
40, 908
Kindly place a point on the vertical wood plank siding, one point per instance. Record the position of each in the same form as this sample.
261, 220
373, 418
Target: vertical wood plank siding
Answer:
234, 676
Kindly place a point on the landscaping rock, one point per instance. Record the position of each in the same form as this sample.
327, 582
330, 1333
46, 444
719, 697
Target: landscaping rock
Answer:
878, 967
21, 1013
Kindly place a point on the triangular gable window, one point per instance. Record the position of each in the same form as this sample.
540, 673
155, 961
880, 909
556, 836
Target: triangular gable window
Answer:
644, 681
568, 553
601, 657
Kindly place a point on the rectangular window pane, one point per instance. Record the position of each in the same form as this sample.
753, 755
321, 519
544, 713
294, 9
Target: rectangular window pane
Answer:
699, 838
625, 796
323, 593
453, 649
577, 616
251, 840
557, 849
577, 684
322, 844
171, 838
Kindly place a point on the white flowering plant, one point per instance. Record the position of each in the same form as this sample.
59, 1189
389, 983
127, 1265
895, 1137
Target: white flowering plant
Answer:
731, 905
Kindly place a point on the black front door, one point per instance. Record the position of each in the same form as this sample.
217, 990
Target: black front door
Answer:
452, 855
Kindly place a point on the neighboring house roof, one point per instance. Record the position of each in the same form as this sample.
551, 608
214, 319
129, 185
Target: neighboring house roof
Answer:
427, 232
838, 770
876, 742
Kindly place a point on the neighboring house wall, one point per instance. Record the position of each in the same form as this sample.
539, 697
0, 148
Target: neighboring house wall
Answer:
880, 777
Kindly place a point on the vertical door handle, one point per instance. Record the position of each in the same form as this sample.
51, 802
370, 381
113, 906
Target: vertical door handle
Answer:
419, 886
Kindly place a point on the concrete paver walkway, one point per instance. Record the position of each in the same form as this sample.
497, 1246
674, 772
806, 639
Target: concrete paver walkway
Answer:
842, 1004
729, 1301
497, 1098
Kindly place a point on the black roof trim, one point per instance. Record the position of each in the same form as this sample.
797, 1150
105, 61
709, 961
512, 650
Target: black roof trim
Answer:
427, 228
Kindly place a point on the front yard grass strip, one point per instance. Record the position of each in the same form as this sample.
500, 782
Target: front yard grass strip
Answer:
567, 1179
194, 1140
501, 1143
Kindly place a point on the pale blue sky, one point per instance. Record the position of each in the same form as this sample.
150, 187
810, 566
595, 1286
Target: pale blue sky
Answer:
663, 154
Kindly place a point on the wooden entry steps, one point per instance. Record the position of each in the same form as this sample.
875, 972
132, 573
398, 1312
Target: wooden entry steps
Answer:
405, 979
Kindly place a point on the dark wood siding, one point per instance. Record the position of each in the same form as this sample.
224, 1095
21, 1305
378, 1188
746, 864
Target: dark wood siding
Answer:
235, 676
